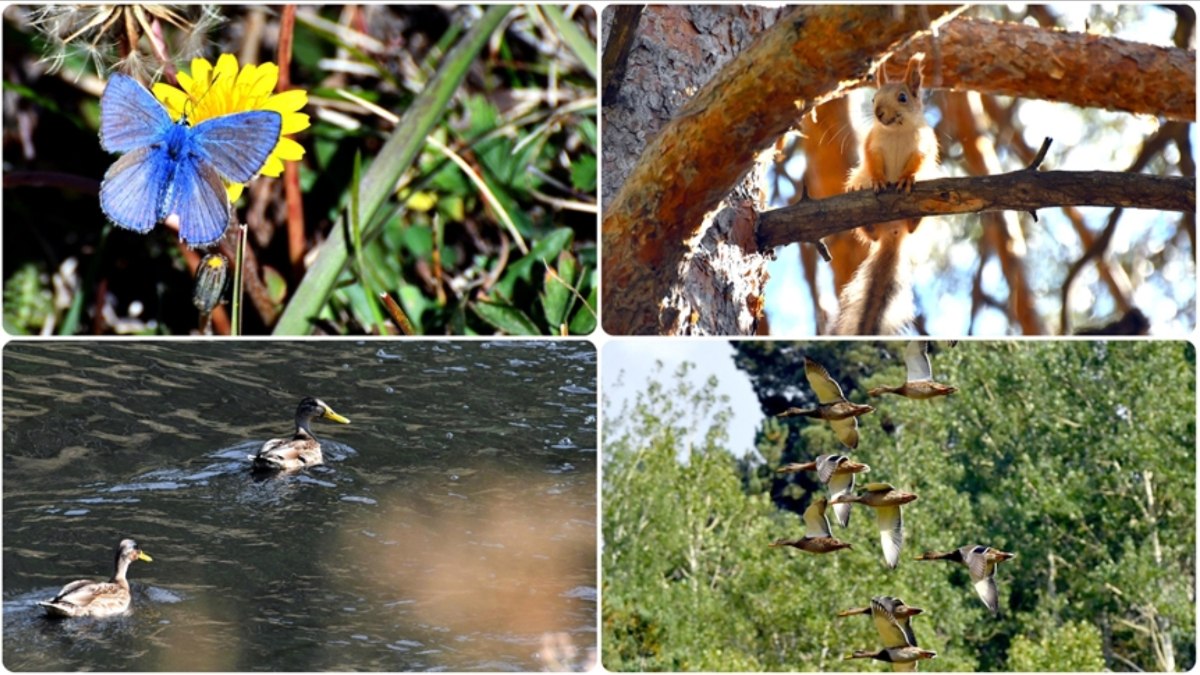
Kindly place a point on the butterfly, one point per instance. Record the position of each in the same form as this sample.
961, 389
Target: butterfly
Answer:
172, 172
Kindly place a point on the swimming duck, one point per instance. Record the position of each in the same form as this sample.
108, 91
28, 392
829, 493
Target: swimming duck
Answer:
891, 617
981, 562
886, 500
98, 598
836, 471
919, 384
833, 406
817, 537
903, 659
302, 449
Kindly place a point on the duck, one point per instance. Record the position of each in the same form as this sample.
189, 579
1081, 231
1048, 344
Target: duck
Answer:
919, 383
302, 449
817, 537
981, 562
832, 406
891, 618
98, 598
886, 500
903, 659
836, 471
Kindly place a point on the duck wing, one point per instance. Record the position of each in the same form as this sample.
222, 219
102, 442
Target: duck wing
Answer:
891, 533
983, 578
841, 484
826, 388
891, 631
916, 359
815, 522
847, 431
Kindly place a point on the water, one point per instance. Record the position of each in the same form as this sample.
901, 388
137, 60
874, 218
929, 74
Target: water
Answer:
453, 526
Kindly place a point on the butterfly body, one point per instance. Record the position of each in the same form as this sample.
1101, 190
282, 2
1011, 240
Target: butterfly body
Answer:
173, 172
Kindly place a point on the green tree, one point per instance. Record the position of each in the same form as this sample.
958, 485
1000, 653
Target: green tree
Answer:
1077, 456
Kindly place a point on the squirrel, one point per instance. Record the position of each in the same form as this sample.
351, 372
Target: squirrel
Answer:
900, 148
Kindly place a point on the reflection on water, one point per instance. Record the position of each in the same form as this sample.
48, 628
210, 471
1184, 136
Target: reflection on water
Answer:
452, 527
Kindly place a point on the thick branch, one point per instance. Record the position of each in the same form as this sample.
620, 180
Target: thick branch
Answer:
1089, 71
1022, 190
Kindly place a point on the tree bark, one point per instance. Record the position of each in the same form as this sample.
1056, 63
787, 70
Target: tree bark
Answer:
1022, 190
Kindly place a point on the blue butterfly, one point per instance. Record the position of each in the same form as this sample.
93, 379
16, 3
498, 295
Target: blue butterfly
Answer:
171, 171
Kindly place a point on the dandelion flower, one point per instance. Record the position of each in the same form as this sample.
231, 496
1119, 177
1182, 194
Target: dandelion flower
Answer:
211, 91
113, 36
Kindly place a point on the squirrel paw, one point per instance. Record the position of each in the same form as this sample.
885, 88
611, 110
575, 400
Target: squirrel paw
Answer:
878, 185
905, 184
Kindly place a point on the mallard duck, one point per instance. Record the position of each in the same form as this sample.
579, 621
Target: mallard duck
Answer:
817, 537
832, 405
302, 449
836, 471
891, 617
886, 500
920, 384
98, 598
903, 659
981, 562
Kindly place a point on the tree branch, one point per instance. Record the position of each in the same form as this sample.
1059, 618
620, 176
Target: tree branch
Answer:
1022, 190
1086, 70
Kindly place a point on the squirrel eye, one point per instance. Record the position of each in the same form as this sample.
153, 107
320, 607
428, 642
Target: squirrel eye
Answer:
903, 97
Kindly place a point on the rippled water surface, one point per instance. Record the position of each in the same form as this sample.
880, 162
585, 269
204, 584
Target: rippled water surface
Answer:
453, 526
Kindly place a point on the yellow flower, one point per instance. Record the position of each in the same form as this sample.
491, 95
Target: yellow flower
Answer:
214, 91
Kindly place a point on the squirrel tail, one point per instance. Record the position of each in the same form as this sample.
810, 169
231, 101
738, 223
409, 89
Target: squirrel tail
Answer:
877, 300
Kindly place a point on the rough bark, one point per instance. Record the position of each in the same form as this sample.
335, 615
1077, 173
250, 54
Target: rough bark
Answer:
1022, 190
1089, 71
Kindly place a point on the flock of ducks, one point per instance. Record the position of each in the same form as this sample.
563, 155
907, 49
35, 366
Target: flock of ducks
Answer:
837, 472
108, 598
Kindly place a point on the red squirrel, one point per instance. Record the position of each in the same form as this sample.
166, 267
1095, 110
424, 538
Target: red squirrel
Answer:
900, 148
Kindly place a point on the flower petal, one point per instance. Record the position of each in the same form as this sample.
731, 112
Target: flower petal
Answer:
173, 99
226, 68
294, 122
288, 150
288, 101
273, 168
235, 191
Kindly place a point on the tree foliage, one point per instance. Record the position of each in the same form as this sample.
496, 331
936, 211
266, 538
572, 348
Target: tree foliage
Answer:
1077, 456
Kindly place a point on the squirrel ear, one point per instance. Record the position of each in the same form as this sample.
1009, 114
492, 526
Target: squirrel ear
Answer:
912, 75
880, 75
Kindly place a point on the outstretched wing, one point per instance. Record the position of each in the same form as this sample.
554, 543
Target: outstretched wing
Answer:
840, 484
133, 186
815, 522
891, 533
826, 388
238, 144
847, 431
916, 359
130, 116
891, 630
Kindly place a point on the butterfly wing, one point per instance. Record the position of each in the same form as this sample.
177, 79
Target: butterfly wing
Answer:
238, 144
198, 202
133, 186
130, 116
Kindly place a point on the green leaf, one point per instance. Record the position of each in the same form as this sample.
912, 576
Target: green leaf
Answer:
583, 321
547, 248
583, 173
505, 317
556, 291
